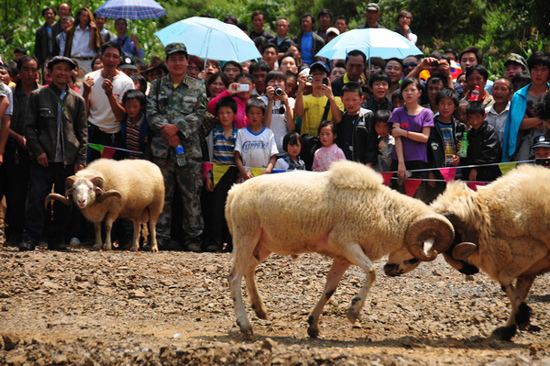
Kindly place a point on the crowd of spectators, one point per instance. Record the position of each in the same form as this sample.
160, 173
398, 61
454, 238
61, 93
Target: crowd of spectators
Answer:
87, 93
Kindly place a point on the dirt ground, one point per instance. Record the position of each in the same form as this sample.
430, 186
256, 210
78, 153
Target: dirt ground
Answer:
81, 307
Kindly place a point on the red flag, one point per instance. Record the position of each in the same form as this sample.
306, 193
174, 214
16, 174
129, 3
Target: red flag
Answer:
473, 185
206, 167
108, 152
448, 174
411, 185
387, 177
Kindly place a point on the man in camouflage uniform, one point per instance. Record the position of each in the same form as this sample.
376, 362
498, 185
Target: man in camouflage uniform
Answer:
175, 109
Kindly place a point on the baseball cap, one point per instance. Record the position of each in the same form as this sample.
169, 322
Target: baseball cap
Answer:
333, 30
57, 59
175, 47
514, 57
373, 7
127, 63
541, 141
319, 65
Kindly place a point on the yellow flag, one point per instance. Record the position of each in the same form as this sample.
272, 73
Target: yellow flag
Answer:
256, 171
506, 167
218, 171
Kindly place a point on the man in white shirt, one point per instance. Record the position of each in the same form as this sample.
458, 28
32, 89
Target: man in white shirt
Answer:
498, 112
103, 90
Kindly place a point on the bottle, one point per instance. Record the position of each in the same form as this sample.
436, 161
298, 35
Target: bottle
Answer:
463, 152
474, 95
180, 155
449, 153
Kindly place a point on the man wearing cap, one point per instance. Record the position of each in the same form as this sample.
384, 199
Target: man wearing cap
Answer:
175, 109
128, 65
321, 104
103, 91
513, 65
541, 145
332, 33
56, 132
371, 15
355, 66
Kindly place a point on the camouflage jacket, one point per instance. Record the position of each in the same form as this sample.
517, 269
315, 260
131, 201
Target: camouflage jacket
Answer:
183, 106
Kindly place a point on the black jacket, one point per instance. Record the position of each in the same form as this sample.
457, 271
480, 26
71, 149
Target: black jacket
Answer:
483, 148
41, 125
363, 146
436, 146
41, 43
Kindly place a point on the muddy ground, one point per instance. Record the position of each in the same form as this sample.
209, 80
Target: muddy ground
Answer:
95, 308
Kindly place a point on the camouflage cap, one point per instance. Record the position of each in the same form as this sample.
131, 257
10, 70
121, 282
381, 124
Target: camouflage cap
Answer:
175, 47
514, 57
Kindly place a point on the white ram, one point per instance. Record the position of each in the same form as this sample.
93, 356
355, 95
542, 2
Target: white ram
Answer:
345, 213
108, 189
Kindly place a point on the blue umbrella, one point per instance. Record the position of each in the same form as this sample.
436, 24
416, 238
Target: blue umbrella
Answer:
208, 38
131, 9
374, 42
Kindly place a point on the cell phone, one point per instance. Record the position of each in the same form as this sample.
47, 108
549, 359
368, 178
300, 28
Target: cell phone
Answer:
243, 87
325, 81
542, 162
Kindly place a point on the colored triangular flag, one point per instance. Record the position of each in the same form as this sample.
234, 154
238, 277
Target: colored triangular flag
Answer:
473, 185
256, 171
448, 174
387, 177
108, 152
206, 167
218, 171
506, 167
97, 147
411, 185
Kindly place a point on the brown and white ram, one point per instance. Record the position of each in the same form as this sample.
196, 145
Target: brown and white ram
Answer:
345, 213
108, 189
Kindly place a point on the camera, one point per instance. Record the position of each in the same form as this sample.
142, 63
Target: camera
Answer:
278, 91
243, 87
325, 81
309, 79
434, 64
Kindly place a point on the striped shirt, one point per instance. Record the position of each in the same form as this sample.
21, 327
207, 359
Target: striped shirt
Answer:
132, 138
224, 148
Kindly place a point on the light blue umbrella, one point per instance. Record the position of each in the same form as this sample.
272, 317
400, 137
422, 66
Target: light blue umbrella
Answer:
208, 38
374, 42
131, 9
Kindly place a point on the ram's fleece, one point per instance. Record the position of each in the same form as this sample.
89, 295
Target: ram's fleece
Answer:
345, 213
108, 189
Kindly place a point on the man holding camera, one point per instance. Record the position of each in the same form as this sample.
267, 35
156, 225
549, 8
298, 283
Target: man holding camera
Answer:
279, 114
321, 104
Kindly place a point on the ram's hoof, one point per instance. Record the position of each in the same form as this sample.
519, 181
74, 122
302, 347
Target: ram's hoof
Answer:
313, 332
504, 333
97, 247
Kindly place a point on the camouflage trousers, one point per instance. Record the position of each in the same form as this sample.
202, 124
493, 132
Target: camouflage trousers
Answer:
189, 181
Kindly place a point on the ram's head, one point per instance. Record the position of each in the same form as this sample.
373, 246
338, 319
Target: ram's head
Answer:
85, 191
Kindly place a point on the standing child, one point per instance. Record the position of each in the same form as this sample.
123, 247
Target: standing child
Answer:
483, 146
292, 145
240, 90
411, 129
385, 141
134, 129
255, 146
330, 152
221, 146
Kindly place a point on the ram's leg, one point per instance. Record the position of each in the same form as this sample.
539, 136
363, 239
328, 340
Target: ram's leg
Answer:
336, 272
135, 238
244, 242
109, 220
98, 241
523, 315
355, 255
153, 234
260, 254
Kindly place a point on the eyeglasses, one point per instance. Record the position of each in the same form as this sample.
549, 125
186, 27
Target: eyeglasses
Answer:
410, 64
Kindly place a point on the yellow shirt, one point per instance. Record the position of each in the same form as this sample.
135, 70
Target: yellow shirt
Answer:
314, 108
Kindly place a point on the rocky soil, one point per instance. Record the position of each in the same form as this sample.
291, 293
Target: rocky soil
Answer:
119, 308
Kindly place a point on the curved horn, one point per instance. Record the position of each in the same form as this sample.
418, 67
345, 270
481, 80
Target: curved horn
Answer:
97, 181
429, 226
110, 193
463, 250
56, 197
69, 182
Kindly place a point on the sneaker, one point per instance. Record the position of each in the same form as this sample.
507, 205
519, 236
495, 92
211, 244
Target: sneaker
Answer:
194, 247
26, 245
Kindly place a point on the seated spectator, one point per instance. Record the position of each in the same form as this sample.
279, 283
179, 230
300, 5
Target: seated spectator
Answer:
404, 19
483, 146
513, 65
522, 125
216, 84
231, 69
498, 112
241, 96
379, 84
